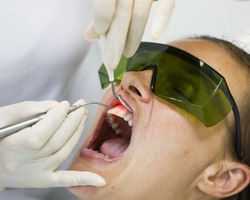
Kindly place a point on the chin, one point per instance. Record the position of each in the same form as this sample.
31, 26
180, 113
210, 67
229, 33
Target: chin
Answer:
107, 150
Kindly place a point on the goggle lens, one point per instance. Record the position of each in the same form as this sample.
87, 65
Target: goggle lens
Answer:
181, 79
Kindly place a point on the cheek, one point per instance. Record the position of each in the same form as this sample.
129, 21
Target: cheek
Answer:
170, 144
172, 132
162, 159
168, 141
165, 140
107, 95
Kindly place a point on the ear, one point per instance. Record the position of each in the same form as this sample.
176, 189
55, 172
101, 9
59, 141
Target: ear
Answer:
224, 181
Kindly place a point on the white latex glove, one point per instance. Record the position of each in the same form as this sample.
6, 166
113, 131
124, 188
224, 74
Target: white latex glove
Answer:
30, 157
122, 24
242, 40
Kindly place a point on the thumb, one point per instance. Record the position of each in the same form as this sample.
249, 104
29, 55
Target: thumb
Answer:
90, 33
77, 178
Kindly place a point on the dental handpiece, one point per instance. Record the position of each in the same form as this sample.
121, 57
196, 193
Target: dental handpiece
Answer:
13, 128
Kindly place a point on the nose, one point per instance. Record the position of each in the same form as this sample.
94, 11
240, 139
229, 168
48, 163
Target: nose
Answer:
137, 85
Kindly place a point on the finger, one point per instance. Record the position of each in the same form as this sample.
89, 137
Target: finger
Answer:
162, 17
104, 12
76, 178
38, 135
141, 11
20, 111
90, 33
65, 132
117, 34
61, 155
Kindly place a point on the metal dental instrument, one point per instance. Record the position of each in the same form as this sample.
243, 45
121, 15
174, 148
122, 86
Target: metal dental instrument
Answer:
13, 128
119, 98
110, 72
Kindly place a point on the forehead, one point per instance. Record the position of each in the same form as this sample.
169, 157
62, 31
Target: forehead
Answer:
209, 52
219, 59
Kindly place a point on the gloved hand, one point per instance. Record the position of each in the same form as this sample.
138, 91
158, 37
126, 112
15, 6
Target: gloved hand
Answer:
30, 157
122, 22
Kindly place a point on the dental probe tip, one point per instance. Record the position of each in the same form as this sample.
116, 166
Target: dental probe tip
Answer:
119, 98
125, 104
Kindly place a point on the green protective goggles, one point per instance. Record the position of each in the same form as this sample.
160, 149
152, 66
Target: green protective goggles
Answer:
183, 80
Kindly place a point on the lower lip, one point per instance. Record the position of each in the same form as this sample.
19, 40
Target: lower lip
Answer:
95, 157
83, 191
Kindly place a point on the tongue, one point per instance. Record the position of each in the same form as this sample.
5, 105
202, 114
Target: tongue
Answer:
114, 147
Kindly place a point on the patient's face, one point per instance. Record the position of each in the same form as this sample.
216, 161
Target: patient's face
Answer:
160, 151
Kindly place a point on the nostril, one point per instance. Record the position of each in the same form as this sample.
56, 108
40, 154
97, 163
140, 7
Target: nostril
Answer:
137, 85
134, 90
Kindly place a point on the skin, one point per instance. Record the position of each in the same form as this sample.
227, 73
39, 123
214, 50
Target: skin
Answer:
170, 151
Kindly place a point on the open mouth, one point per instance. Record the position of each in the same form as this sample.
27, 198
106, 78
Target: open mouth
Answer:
113, 133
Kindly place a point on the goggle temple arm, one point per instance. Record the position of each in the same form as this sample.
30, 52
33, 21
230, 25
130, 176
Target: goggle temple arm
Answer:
238, 132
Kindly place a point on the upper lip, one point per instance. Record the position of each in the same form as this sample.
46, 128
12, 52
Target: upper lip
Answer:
125, 96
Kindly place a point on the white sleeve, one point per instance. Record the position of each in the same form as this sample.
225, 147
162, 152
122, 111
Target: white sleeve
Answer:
42, 46
242, 40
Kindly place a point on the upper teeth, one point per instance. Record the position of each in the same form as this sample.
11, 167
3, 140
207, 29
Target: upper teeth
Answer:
121, 112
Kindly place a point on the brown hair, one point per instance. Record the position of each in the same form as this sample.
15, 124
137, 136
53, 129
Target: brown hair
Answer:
243, 58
